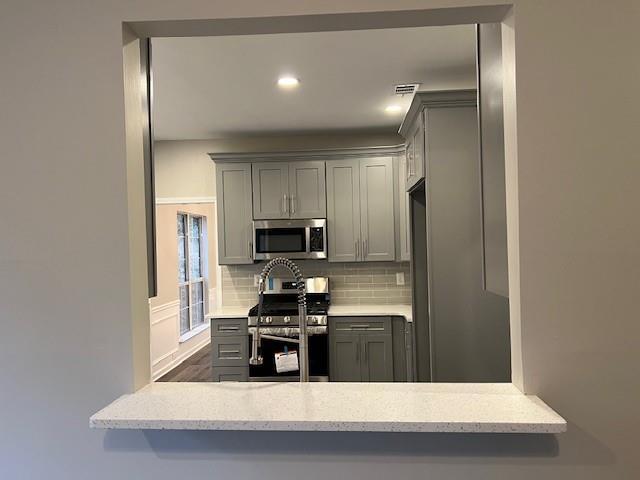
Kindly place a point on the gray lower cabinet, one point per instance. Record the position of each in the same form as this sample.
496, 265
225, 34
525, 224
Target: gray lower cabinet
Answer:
233, 194
377, 358
230, 374
360, 210
229, 350
289, 190
344, 358
360, 349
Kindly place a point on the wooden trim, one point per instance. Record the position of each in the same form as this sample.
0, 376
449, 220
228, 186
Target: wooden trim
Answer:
319, 154
440, 99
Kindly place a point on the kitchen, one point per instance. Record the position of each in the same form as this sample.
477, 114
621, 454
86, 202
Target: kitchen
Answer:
384, 198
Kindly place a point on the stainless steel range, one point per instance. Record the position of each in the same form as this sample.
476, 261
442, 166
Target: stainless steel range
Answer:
280, 318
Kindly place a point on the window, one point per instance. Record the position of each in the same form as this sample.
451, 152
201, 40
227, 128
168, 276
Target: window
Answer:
191, 271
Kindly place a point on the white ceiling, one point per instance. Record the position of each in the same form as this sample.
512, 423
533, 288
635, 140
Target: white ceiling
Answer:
215, 87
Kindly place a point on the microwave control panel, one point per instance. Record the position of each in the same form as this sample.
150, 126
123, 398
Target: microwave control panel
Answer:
316, 239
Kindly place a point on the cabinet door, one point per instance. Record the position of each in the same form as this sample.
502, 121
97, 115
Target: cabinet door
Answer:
343, 210
415, 153
270, 190
344, 358
419, 149
233, 192
376, 209
403, 212
307, 189
377, 358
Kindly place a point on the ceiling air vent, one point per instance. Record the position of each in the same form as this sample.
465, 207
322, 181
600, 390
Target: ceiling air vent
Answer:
406, 88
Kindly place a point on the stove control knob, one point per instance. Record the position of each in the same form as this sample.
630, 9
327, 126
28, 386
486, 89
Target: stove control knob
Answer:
268, 320
287, 319
313, 320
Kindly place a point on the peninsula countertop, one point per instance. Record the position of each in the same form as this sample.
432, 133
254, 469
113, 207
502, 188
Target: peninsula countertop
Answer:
375, 407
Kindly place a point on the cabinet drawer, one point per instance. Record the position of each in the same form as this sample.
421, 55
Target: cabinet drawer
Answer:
378, 325
230, 351
230, 374
221, 327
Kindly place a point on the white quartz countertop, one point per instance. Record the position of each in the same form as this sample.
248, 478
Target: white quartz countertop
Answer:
334, 310
376, 407
228, 312
399, 310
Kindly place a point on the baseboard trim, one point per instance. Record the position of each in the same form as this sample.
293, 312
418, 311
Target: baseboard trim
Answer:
155, 375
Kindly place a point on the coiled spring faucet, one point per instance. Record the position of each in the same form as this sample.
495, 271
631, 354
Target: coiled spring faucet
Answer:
302, 341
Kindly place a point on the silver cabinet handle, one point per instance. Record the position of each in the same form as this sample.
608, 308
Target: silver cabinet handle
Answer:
357, 249
228, 328
250, 246
293, 204
285, 203
365, 249
357, 352
225, 352
364, 347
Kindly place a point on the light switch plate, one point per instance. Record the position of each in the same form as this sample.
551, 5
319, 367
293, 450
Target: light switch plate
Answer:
400, 278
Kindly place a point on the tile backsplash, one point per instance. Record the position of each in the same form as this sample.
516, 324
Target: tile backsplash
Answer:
351, 283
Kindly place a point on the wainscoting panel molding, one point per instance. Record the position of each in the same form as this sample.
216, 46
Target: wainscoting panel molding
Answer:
166, 350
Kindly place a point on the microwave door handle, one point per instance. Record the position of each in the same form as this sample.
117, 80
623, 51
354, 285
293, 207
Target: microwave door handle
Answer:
307, 239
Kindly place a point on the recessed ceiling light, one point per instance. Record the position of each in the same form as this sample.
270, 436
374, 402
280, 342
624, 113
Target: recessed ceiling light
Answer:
288, 81
393, 109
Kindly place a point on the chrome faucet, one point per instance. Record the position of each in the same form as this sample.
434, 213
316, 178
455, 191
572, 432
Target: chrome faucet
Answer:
302, 341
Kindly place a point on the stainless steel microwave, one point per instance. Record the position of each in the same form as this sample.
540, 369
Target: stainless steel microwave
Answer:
290, 239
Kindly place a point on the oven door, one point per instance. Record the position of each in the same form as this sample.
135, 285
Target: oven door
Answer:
289, 238
318, 360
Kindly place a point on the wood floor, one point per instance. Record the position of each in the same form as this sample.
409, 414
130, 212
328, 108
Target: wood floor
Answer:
196, 368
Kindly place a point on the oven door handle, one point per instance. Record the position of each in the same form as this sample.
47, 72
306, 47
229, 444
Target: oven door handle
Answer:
280, 339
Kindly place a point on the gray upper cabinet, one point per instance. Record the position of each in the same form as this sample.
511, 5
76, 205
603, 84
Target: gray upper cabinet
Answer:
403, 212
492, 160
270, 190
233, 194
376, 209
415, 141
289, 190
343, 210
308, 198
360, 203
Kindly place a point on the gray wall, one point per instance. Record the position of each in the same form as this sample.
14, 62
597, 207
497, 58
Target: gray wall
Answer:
65, 302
